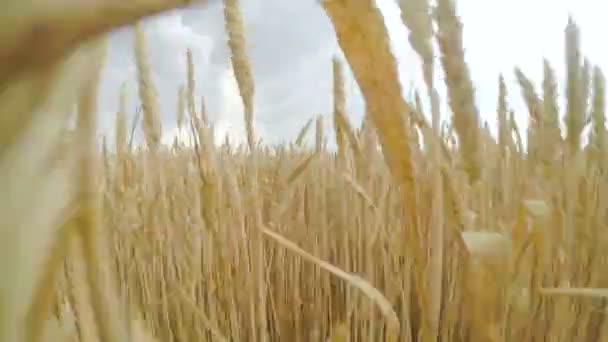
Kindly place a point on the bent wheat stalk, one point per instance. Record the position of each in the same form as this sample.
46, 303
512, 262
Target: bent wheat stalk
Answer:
370, 291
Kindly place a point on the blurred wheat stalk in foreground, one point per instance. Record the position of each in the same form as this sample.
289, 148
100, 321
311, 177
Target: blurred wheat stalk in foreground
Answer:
199, 242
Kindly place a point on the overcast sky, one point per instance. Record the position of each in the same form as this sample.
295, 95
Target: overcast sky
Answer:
291, 43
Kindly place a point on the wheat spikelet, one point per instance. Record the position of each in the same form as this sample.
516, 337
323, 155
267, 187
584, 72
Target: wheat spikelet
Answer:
460, 87
515, 130
303, 131
415, 15
346, 132
339, 106
369, 140
359, 190
240, 63
343, 130
585, 87
299, 169
181, 108
319, 135
575, 107
367, 50
598, 116
551, 134
550, 105
147, 92
530, 96
204, 114
191, 88
534, 107
503, 123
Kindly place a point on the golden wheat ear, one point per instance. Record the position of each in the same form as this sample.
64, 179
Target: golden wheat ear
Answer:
35, 34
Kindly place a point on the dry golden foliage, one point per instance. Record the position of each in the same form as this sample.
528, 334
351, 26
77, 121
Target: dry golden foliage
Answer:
169, 243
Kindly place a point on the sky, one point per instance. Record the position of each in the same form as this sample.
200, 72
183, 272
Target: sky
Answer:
291, 43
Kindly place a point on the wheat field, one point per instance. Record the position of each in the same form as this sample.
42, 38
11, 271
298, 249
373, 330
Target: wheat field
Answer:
409, 231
